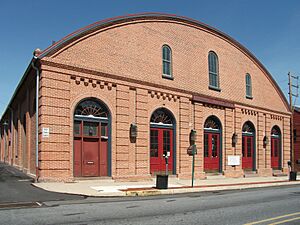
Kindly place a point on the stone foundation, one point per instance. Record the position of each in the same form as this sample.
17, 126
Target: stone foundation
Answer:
233, 173
265, 172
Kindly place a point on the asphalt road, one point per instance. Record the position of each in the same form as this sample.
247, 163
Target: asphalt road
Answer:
15, 187
279, 205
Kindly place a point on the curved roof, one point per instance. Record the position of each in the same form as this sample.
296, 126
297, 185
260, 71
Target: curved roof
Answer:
157, 16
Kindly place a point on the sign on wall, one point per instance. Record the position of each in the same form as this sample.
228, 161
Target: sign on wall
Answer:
233, 160
45, 132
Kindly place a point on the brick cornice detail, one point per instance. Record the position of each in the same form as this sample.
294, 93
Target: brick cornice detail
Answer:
213, 101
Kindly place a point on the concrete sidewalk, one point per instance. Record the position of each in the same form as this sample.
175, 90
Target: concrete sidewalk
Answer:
104, 187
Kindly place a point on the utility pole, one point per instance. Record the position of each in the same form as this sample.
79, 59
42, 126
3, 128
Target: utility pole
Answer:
291, 94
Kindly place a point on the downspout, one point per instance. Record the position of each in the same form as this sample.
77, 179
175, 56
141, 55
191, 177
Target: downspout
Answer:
12, 143
36, 114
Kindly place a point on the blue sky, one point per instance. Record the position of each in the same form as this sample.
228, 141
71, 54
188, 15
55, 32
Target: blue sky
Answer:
270, 29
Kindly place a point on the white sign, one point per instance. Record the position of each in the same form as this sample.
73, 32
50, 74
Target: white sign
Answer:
45, 132
233, 160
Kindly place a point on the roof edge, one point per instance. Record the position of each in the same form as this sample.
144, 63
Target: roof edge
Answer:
120, 19
131, 17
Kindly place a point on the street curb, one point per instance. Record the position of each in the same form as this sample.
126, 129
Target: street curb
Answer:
152, 191
171, 191
16, 205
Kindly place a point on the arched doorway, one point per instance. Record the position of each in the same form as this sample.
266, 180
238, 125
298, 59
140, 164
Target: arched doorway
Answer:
276, 148
212, 145
248, 146
91, 139
162, 141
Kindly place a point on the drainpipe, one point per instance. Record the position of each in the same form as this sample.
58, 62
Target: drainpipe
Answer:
11, 135
36, 113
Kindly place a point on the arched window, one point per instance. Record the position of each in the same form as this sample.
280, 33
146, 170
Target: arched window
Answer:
167, 61
213, 66
161, 116
91, 108
248, 128
212, 123
275, 132
248, 86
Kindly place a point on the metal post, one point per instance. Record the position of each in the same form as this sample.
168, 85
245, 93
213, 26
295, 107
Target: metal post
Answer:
193, 170
167, 171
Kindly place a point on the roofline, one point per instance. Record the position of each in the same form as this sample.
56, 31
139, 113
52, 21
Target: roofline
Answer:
132, 17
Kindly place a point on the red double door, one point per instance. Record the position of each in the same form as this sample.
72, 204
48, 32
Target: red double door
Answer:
248, 153
161, 143
212, 152
275, 153
90, 149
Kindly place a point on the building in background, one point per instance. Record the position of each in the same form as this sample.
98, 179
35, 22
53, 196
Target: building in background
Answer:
296, 118
117, 95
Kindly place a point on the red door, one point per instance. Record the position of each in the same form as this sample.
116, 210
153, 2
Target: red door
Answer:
161, 142
90, 157
77, 148
90, 149
275, 153
211, 152
247, 153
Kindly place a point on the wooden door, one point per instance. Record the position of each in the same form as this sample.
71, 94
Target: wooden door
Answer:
90, 157
90, 149
161, 142
275, 153
247, 153
211, 152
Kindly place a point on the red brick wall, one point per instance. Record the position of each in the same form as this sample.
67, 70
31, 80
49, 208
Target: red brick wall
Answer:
122, 67
133, 50
22, 149
296, 118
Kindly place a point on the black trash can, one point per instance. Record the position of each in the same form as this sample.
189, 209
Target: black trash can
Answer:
162, 181
293, 176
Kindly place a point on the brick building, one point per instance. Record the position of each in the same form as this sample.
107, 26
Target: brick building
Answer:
161, 74
296, 118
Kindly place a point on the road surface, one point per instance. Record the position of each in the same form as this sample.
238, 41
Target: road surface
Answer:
280, 205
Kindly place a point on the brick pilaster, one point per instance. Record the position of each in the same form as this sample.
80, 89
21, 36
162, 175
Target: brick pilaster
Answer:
142, 151
260, 133
238, 131
122, 131
185, 161
228, 132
